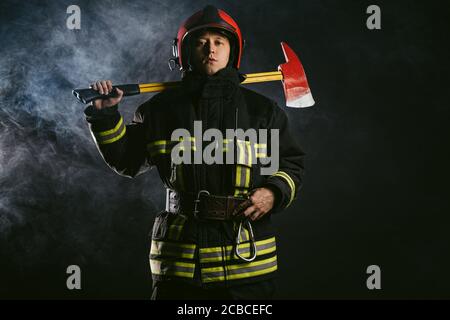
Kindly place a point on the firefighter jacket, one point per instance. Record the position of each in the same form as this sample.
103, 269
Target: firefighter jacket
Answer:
203, 252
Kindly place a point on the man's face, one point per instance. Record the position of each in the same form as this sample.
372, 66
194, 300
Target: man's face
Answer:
211, 51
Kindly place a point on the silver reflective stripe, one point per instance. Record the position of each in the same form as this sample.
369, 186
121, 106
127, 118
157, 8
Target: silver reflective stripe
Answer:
261, 150
172, 249
215, 254
110, 136
289, 181
157, 147
245, 153
165, 146
262, 249
240, 271
242, 180
172, 268
243, 167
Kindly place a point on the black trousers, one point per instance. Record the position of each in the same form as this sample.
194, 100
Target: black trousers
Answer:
175, 290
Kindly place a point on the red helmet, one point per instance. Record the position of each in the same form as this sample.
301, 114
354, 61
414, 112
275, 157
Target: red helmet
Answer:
208, 18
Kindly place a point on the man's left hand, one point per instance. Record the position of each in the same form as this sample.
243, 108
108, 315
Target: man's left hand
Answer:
262, 202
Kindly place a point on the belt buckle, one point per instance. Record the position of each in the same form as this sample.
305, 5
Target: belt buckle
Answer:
197, 201
172, 198
168, 191
232, 205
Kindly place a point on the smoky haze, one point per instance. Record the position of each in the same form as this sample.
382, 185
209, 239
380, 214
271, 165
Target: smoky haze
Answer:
364, 199
60, 204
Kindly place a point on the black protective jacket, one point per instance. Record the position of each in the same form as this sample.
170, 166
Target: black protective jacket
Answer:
182, 247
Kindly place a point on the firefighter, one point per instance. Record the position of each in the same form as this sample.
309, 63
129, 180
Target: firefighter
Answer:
214, 239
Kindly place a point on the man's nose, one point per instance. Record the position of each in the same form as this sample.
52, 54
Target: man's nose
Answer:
210, 48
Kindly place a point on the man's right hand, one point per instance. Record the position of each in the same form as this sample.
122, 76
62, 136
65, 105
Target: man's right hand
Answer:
105, 87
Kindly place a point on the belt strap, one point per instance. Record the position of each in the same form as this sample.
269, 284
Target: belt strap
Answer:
203, 205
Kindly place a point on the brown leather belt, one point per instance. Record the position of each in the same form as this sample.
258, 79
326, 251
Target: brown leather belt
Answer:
203, 205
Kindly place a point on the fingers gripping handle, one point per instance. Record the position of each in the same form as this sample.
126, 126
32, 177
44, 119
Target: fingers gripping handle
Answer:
88, 95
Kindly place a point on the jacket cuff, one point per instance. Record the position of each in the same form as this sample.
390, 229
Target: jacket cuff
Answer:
102, 119
284, 183
278, 193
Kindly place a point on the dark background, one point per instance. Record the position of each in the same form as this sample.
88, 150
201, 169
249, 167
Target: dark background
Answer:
376, 183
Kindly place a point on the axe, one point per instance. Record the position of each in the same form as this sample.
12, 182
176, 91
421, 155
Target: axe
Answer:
291, 74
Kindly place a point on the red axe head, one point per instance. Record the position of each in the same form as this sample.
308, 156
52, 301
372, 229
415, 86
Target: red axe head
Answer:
296, 88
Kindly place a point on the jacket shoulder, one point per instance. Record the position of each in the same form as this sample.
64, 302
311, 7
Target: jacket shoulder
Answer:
162, 101
259, 104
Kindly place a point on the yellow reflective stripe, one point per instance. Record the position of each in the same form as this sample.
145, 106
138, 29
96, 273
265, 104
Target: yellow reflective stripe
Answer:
174, 232
261, 155
213, 269
266, 251
173, 268
231, 256
249, 158
219, 249
112, 135
180, 245
243, 141
240, 266
176, 227
289, 181
235, 276
157, 143
176, 255
159, 146
225, 144
241, 275
177, 250
238, 175
241, 152
108, 132
247, 177
181, 147
252, 273
242, 183
115, 138
166, 146
161, 142
243, 167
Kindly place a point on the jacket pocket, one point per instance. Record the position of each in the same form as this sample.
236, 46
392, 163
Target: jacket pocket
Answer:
168, 226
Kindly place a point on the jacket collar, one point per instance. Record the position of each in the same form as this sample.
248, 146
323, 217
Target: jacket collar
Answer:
222, 83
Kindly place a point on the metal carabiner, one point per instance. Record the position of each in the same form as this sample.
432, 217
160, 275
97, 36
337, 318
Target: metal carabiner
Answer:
252, 242
197, 201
